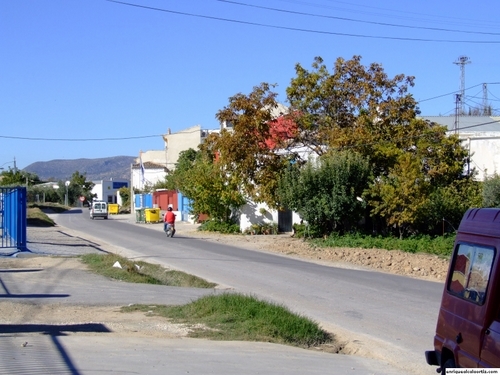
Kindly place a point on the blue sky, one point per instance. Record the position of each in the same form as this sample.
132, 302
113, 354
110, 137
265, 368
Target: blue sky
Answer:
110, 78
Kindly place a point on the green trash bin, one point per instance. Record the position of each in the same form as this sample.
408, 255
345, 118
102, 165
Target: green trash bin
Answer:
152, 215
139, 215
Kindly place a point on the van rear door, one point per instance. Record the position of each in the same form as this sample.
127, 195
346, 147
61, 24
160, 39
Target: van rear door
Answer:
463, 315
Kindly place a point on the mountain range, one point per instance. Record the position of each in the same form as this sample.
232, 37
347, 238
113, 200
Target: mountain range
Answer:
116, 167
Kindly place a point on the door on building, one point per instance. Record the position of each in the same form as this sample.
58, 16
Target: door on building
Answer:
285, 222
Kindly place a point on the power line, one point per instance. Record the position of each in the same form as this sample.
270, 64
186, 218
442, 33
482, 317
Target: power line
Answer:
357, 20
454, 92
305, 30
441, 17
95, 139
80, 139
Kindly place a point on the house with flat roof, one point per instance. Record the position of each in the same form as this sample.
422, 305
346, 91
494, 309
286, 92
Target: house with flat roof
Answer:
481, 135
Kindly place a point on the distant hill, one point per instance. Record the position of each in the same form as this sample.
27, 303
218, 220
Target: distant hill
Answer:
116, 167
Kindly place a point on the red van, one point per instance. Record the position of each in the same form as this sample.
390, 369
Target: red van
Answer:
468, 325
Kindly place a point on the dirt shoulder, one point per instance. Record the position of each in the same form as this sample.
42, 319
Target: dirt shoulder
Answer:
421, 266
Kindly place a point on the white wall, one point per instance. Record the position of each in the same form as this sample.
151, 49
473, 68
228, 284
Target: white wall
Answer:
250, 214
151, 177
485, 151
105, 191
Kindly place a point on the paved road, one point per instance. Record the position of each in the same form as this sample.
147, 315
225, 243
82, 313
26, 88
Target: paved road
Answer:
337, 301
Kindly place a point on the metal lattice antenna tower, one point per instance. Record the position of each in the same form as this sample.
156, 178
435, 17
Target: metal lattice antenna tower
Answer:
462, 60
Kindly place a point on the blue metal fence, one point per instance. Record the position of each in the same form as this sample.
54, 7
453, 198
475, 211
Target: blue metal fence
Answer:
13, 217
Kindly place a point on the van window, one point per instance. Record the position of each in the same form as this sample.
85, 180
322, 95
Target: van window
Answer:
471, 272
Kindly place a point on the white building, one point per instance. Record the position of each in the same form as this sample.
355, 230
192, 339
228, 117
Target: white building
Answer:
481, 135
107, 190
146, 174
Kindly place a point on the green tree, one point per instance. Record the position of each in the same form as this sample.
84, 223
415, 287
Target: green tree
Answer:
326, 191
422, 171
18, 177
400, 195
41, 193
446, 206
185, 162
125, 196
211, 189
78, 186
491, 191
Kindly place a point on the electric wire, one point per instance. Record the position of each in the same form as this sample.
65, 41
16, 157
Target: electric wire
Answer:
97, 139
458, 91
357, 20
306, 30
440, 18
80, 139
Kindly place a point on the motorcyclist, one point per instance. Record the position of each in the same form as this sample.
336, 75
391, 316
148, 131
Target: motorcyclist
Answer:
169, 219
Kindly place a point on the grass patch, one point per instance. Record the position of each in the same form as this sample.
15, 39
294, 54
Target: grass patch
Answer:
442, 245
37, 218
141, 272
236, 317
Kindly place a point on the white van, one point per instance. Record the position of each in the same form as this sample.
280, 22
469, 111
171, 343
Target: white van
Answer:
99, 209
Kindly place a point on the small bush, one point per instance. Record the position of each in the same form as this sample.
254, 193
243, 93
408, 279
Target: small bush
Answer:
262, 228
219, 226
305, 231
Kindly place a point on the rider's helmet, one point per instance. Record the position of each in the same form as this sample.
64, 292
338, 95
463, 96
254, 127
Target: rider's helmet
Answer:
169, 208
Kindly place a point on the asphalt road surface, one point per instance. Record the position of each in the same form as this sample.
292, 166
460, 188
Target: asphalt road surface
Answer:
391, 317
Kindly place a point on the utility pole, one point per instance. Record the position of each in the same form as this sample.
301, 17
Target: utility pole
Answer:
458, 100
485, 100
462, 61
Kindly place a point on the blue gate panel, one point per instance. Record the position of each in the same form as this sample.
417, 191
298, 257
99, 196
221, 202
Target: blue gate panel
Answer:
143, 200
13, 214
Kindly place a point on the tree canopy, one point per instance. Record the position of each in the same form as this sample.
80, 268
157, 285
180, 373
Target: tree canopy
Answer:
356, 119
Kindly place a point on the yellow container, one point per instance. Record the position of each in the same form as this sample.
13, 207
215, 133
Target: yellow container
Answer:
152, 215
112, 209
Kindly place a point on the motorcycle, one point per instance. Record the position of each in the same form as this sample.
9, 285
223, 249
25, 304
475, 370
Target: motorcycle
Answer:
169, 230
